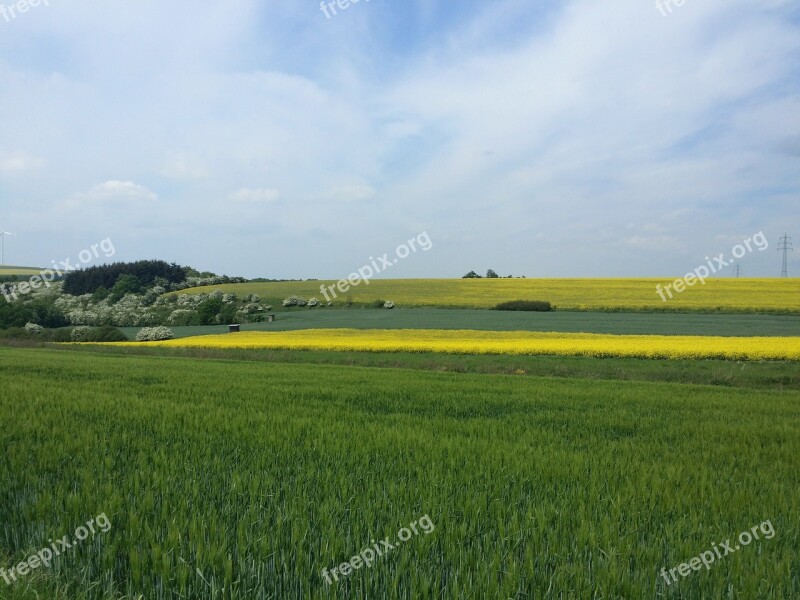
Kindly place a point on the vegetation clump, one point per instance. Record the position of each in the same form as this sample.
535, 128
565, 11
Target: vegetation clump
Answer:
154, 334
525, 305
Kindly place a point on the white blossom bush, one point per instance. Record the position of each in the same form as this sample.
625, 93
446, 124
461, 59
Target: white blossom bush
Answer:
33, 328
147, 319
154, 334
388, 304
313, 302
80, 333
295, 301
180, 316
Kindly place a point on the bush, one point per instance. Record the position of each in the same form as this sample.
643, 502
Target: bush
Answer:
107, 334
378, 304
154, 334
183, 317
389, 304
80, 334
63, 334
33, 328
527, 305
294, 301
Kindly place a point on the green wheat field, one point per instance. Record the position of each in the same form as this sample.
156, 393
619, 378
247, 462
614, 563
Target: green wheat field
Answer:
245, 479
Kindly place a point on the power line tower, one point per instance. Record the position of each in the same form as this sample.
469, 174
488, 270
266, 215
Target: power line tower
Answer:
738, 270
786, 247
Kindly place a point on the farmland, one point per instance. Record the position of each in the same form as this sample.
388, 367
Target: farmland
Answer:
231, 479
502, 342
7, 271
727, 295
718, 324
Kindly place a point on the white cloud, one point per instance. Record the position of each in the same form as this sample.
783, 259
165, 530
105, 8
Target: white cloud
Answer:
18, 162
112, 194
255, 196
184, 168
350, 193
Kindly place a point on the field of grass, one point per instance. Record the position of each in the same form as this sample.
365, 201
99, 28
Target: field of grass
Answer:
243, 480
576, 322
731, 295
763, 375
499, 342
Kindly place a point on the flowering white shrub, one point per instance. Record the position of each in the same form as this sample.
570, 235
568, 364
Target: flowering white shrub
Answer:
313, 302
180, 316
388, 304
154, 334
295, 301
33, 328
79, 334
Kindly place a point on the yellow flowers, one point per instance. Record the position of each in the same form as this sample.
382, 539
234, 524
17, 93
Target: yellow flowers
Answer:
581, 294
502, 342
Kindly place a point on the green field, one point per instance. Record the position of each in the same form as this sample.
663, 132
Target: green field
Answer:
237, 479
578, 322
767, 375
721, 295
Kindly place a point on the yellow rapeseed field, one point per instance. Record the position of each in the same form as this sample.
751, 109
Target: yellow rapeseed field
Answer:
501, 342
779, 295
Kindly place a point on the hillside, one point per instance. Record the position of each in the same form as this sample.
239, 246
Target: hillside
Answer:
728, 295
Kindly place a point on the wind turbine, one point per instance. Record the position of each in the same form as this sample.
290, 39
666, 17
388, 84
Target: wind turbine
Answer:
3, 235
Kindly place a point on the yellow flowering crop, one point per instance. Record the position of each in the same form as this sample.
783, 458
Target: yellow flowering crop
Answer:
727, 294
501, 342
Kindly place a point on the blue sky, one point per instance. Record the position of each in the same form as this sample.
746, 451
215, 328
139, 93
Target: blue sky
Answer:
550, 139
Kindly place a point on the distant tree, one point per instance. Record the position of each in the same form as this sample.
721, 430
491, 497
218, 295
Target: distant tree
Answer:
472, 275
100, 294
490, 274
125, 284
147, 272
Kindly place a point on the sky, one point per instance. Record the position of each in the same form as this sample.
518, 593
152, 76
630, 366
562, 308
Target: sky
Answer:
580, 138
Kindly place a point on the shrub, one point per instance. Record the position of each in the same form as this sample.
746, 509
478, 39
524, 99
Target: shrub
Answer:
183, 317
313, 302
295, 301
527, 305
94, 334
154, 334
80, 333
34, 329
378, 304
388, 304
107, 334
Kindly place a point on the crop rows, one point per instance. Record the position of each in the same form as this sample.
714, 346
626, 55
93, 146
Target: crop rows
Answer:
501, 342
245, 480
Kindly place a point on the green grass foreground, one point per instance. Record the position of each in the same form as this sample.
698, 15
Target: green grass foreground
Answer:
766, 375
228, 479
